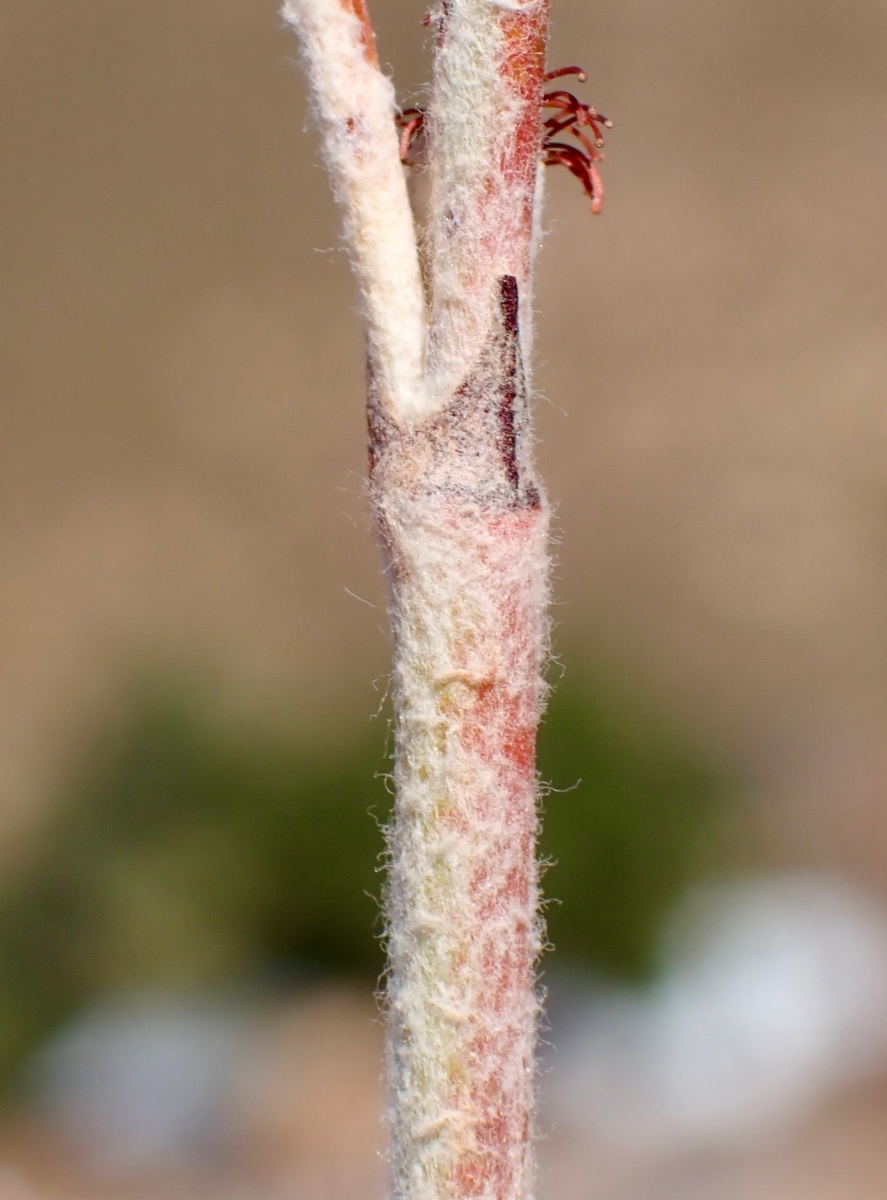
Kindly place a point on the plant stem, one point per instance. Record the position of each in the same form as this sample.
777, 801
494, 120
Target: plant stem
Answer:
464, 527
465, 531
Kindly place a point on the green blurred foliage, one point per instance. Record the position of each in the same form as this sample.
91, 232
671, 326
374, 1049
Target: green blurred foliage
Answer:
631, 820
189, 855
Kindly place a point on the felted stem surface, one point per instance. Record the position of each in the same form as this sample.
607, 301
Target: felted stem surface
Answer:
465, 529
463, 890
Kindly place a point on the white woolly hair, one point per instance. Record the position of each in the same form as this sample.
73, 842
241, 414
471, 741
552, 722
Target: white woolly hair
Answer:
355, 109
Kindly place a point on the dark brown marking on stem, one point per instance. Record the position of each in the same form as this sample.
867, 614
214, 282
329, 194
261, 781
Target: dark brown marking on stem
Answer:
508, 303
508, 306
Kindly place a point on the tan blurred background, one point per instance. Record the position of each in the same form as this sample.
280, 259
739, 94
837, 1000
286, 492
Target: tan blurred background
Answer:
182, 431
182, 435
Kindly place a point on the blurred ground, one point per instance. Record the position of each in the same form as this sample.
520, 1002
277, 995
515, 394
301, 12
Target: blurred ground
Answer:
181, 458
306, 1125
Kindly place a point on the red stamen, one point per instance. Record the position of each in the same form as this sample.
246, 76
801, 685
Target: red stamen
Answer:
591, 147
571, 117
597, 186
577, 71
412, 122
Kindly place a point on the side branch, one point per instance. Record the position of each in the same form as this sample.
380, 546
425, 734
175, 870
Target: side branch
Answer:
355, 108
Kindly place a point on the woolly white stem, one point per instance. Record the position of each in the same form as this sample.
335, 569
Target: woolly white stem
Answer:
469, 585
463, 891
355, 108
464, 525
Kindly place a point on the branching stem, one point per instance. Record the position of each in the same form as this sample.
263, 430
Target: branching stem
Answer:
464, 526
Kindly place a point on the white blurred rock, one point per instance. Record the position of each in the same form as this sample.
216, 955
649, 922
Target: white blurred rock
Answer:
141, 1084
774, 995
275, 1096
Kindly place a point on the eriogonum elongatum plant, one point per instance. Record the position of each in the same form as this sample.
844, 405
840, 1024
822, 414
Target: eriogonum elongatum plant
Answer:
464, 524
